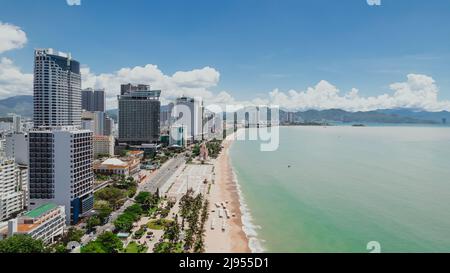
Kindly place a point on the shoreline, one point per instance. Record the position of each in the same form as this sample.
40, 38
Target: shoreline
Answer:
225, 188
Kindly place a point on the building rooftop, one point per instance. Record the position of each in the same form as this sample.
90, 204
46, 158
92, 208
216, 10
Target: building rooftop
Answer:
135, 153
39, 211
114, 162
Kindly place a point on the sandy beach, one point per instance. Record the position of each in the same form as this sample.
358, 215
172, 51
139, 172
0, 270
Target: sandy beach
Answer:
224, 189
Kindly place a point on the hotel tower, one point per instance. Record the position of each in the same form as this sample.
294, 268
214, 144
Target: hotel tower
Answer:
61, 154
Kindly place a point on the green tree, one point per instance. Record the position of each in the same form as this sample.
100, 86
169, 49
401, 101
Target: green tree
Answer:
146, 200
124, 222
103, 209
73, 235
172, 231
60, 248
196, 150
21, 244
93, 247
112, 195
134, 209
110, 242
93, 222
199, 246
142, 197
107, 242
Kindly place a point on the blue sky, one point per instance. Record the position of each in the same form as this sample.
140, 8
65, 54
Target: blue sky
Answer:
255, 45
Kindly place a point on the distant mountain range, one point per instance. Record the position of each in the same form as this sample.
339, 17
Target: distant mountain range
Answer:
379, 116
23, 105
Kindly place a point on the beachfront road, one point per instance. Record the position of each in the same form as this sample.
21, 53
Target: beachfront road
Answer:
162, 176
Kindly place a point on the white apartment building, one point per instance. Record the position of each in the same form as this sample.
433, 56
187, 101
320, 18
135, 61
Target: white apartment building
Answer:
61, 169
94, 121
45, 223
61, 154
88, 124
57, 89
13, 188
98, 122
17, 124
103, 145
190, 113
16, 146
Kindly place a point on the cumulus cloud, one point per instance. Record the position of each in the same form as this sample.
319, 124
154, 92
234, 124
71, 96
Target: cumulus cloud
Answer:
189, 83
12, 81
73, 2
374, 2
11, 37
205, 78
417, 92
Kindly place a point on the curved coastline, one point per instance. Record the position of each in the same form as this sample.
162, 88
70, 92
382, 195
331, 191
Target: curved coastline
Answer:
248, 227
240, 234
225, 235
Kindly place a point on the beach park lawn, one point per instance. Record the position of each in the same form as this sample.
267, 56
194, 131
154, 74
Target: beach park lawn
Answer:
158, 224
166, 247
134, 247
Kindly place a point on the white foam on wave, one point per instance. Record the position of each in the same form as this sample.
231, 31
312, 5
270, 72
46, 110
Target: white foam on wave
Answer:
250, 229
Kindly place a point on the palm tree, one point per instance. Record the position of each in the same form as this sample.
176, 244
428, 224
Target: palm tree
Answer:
199, 245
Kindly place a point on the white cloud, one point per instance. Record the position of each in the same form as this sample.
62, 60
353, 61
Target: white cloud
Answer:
206, 77
11, 37
73, 2
189, 83
12, 81
418, 92
374, 2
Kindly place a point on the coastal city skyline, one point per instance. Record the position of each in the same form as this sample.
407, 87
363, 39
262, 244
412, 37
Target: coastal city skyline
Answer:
192, 129
361, 74
71, 158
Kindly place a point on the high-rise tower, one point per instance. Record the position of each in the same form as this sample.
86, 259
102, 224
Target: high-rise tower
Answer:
61, 154
139, 114
93, 100
57, 89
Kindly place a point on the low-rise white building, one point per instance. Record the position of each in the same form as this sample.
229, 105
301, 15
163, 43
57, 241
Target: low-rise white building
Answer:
115, 166
45, 223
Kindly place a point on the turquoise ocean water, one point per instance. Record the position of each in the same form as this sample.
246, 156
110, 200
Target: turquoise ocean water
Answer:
347, 186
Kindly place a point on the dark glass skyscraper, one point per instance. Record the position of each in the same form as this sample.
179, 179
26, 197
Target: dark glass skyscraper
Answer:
93, 100
139, 115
